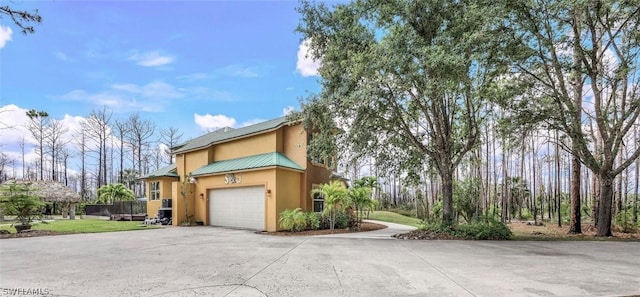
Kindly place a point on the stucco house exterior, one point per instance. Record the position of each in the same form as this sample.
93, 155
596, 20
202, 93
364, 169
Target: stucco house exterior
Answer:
241, 177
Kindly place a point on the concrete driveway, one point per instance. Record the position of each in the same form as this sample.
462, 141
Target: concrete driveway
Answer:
207, 261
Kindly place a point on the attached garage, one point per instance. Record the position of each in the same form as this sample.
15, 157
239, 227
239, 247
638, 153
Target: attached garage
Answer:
242, 207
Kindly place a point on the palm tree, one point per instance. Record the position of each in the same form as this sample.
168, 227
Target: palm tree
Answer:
359, 197
370, 182
113, 192
334, 194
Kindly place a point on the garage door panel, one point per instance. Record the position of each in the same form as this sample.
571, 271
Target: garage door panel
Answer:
237, 207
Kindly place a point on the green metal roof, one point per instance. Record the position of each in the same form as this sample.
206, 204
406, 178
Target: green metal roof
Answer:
167, 171
251, 162
227, 134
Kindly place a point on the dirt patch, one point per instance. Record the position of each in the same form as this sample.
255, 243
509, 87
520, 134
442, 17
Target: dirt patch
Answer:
551, 230
30, 233
364, 227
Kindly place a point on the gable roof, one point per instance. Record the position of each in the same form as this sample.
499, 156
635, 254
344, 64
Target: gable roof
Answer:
225, 134
167, 171
251, 162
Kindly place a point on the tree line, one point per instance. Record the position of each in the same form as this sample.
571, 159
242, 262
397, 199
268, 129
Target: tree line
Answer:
426, 89
109, 150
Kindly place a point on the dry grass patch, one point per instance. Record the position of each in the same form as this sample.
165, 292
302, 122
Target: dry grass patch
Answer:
551, 231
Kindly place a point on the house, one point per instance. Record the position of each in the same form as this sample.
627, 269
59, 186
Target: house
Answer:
241, 177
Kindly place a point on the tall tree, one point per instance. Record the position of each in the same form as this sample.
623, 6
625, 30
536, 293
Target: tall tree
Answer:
37, 126
402, 80
55, 143
170, 137
81, 145
98, 130
122, 129
601, 36
141, 131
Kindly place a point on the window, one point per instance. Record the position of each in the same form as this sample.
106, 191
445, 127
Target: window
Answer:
318, 201
154, 190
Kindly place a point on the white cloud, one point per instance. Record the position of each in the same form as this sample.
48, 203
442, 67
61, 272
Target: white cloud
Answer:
193, 76
160, 89
151, 59
13, 125
123, 97
61, 56
239, 70
131, 88
287, 110
209, 122
5, 35
306, 65
204, 93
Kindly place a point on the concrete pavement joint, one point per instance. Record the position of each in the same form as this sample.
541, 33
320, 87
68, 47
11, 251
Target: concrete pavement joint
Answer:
435, 267
204, 287
336, 273
268, 265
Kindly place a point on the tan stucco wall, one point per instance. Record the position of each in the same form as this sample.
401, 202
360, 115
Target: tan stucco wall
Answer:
193, 160
294, 144
290, 188
178, 207
165, 193
264, 177
254, 145
287, 193
285, 186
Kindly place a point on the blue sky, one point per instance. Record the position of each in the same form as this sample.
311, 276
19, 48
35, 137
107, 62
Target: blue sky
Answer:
194, 65
168, 60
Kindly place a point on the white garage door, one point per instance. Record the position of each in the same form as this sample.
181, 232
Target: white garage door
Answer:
237, 207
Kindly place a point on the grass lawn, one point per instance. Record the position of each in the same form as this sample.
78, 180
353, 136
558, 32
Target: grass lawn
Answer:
84, 226
392, 217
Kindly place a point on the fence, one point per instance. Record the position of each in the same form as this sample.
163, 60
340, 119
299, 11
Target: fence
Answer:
118, 207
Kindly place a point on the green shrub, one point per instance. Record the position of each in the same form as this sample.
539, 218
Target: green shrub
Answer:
436, 210
465, 197
624, 222
437, 227
481, 229
293, 220
491, 230
342, 220
313, 220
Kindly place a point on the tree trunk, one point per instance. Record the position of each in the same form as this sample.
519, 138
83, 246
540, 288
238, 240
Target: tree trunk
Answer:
575, 224
505, 188
557, 185
604, 209
635, 199
447, 198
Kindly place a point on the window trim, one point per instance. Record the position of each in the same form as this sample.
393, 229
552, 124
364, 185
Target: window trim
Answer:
154, 190
314, 199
